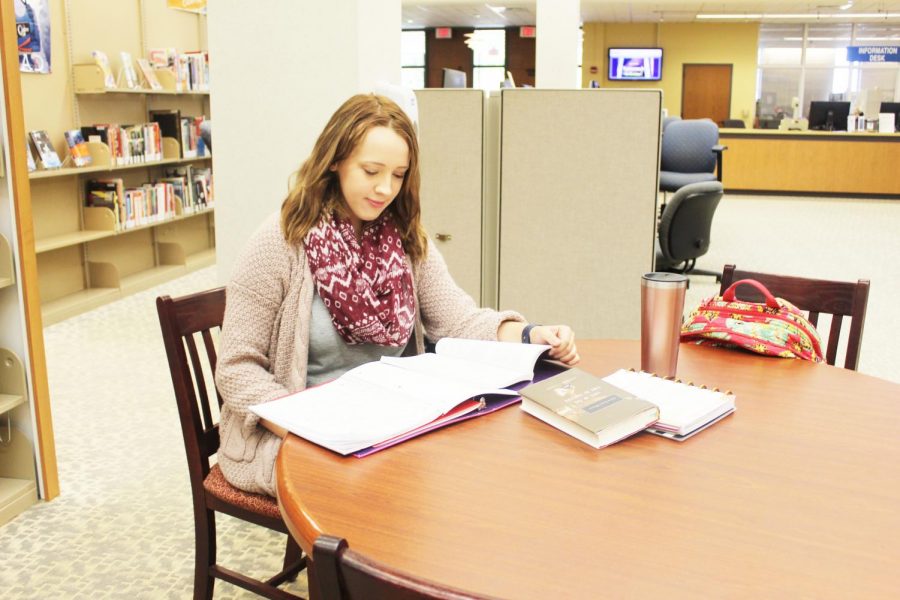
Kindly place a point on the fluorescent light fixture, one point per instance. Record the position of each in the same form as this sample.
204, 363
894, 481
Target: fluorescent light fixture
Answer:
499, 10
809, 16
729, 16
849, 4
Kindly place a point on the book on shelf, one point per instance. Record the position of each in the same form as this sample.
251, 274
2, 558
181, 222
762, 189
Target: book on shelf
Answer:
162, 58
45, 152
684, 409
199, 192
588, 408
32, 166
381, 403
78, 149
106, 193
102, 61
148, 74
128, 72
169, 123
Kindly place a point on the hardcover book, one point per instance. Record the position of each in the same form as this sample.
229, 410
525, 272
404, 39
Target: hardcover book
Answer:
131, 80
102, 61
32, 166
588, 408
49, 157
78, 149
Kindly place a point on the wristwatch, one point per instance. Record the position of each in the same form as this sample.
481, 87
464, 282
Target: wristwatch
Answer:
526, 332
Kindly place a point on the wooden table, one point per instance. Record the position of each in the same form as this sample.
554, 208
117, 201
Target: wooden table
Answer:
797, 494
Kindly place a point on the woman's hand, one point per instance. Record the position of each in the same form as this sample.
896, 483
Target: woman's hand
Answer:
561, 339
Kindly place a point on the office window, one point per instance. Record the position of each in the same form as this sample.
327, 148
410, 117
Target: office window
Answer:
810, 62
488, 58
412, 59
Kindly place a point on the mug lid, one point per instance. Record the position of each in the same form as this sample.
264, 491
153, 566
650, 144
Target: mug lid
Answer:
665, 277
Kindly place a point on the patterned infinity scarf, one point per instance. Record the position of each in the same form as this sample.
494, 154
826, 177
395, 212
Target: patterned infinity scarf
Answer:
365, 283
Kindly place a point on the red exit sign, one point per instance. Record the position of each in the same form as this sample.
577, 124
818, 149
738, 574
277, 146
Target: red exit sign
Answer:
528, 31
443, 33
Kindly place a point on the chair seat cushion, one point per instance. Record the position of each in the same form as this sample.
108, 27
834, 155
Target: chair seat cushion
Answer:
216, 484
670, 181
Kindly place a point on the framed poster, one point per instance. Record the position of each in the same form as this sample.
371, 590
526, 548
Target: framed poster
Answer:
33, 33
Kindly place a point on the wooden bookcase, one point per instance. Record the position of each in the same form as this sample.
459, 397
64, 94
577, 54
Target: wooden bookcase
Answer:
27, 453
82, 261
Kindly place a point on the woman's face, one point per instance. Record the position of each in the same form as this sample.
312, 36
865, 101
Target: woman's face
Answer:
371, 176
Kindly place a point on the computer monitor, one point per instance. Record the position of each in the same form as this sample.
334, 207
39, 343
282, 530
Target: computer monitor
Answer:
454, 78
892, 107
828, 116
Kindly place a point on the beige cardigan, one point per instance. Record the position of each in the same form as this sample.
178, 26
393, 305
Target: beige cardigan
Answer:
267, 317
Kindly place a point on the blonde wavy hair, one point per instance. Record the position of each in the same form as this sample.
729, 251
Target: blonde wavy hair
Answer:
316, 188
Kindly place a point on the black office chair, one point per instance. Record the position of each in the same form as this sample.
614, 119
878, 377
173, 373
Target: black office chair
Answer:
734, 124
690, 153
684, 228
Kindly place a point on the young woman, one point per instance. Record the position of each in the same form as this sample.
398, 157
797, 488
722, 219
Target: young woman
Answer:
344, 275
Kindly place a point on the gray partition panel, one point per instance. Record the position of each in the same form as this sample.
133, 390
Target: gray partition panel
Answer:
450, 147
579, 174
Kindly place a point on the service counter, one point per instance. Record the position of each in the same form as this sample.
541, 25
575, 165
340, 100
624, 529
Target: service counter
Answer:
813, 162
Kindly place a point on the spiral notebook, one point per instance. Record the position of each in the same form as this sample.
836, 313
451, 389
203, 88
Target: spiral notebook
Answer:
685, 409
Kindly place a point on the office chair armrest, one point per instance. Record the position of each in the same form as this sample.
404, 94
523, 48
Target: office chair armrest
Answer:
719, 149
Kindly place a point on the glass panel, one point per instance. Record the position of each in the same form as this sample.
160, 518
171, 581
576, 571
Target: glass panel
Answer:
831, 35
779, 56
777, 35
826, 57
488, 47
488, 78
412, 77
412, 48
817, 86
877, 34
777, 88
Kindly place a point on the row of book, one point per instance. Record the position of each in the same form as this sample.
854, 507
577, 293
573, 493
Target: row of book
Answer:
128, 144
152, 202
189, 69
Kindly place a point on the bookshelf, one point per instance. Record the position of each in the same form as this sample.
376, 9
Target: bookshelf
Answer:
27, 453
83, 260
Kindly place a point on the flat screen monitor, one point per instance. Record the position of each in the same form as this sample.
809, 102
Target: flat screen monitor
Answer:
828, 116
635, 64
892, 107
454, 78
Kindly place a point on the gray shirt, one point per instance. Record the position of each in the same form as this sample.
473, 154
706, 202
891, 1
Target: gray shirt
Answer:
329, 355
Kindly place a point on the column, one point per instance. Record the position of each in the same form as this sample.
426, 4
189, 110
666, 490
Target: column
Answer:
278, 72
558, 39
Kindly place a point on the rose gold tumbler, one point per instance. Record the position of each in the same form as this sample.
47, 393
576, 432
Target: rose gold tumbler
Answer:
662, 307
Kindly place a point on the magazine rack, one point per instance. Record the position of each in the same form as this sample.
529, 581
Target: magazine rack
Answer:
18, 489
7, 268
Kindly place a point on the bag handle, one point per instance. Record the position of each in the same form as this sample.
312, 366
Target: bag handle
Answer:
771, 302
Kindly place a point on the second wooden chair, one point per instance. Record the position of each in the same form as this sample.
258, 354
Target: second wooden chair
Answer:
816, 296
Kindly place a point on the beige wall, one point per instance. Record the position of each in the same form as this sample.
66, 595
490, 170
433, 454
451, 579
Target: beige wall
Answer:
708, 43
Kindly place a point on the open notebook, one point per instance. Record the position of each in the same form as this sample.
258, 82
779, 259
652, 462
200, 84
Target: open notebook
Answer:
684, 409
381, 403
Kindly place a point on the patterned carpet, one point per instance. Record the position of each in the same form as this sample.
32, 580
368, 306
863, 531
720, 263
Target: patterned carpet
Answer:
123, 525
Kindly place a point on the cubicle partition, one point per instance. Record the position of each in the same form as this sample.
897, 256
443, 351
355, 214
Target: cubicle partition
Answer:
451, 150
579, 176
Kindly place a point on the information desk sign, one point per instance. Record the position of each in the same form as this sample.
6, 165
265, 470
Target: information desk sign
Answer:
873, 54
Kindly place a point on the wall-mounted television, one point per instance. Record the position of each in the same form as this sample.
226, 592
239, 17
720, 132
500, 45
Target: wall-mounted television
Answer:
635, 64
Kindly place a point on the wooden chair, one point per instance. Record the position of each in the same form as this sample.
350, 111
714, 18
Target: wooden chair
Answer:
342, 574
180, 319
816, 296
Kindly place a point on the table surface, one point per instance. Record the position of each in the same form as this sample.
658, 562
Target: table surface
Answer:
796, 493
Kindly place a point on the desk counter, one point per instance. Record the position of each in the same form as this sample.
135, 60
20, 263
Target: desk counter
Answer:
811, 162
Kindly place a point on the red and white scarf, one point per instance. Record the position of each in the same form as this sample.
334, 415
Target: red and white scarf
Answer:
365, 283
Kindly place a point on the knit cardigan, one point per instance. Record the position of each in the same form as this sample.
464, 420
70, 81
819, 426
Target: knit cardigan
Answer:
265, 340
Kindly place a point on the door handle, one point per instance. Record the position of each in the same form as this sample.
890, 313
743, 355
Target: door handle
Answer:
444, 237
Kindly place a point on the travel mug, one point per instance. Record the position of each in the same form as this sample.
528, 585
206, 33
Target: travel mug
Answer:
662, 308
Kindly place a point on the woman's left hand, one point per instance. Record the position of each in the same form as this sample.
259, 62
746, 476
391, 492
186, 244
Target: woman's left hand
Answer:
561, 340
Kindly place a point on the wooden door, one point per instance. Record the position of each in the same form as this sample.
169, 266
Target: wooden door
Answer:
706, 92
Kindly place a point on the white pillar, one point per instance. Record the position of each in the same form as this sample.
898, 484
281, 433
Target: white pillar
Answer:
558, 38
277, 75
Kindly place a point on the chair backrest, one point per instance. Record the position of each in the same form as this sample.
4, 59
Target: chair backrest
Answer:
686, 222
668, 121
343, 574
815, 296
687, 146
734, 123
183, 321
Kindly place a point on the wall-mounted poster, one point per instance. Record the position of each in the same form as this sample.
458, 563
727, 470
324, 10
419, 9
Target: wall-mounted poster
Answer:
33, 31
194, 6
